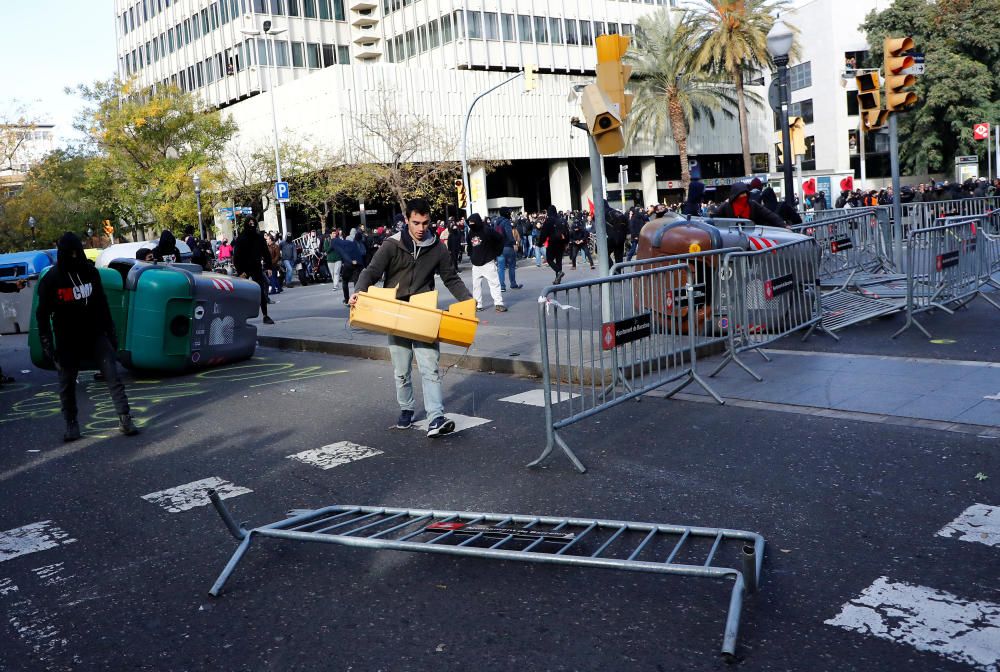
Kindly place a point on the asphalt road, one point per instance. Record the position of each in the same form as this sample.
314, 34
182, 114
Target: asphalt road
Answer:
123, 584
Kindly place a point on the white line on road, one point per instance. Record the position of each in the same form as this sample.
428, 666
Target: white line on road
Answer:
194, 494
927, 619
979, 523
32, 538
461, 422
334, 455
52, 575
537, 397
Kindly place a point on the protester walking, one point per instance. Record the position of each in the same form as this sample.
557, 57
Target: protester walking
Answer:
485, 244
507, 259
166, 249
554, 236
288, 254
253, 261
333, 258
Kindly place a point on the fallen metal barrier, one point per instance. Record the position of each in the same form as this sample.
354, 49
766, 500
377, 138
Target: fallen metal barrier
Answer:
769, 294
608, 340
943, 268
682, 550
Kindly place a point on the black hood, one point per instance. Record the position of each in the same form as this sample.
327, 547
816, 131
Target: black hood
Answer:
70, 256
167, 241
551, 211
737, 189
505, 212
475, 221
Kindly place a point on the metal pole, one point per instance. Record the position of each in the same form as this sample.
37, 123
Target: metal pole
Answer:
798, 182
465, 134
364, 215
862, 138
600, 229
622, 176
201, 225
989, 154
897, 207
786, 140
274, 123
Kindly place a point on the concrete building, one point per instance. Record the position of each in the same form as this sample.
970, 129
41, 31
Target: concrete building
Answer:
335, 59
21, 147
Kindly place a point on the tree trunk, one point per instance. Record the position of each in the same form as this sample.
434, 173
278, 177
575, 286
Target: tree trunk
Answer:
744, 130
678, 128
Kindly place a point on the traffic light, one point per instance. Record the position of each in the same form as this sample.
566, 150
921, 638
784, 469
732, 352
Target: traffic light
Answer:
896, 60
108, 229
604, 125
612, 74
870, 102
463, 200
779, 149
530, 77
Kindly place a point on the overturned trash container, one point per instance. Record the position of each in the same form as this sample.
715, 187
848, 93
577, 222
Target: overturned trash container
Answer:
16, 311
180, 318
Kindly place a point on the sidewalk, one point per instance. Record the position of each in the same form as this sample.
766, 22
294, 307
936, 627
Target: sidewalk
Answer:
944, 393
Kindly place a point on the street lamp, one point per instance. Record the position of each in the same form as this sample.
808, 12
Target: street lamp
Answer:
197, 194
271, 32
31, 225
779, 43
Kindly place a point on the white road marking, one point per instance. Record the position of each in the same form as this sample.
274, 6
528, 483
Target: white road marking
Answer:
927, 619
461, 422
537, 397
993, 397
33, 625
194, 494
7, 586
51, 575
979, 523
334, 455
32, 538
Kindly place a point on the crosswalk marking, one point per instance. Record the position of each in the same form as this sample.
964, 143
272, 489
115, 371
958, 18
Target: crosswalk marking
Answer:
191, 495
931, 620
32, 538
979, 523
462, 422
537, 397
334, 455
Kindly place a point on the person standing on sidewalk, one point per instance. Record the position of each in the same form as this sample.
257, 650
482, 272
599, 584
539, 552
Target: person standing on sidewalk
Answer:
252, 260
554, 237
10, 288
507, 260
73, 308
409, 261
333, 259
485, 244
352, 257
288, 259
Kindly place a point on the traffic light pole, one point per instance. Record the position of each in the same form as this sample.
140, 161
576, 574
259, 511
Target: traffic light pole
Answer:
786, 139
897, 207
600, 226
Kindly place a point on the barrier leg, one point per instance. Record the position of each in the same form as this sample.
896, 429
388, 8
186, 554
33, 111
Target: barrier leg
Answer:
231, 565
912, 321
733, 620
731, 357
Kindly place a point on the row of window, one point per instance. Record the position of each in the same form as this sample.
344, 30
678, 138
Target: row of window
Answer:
202, 23
389, 6
800, 76
221, 11
310, 9
495, 26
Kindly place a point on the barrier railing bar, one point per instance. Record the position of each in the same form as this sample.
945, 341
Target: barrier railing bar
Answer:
677, 547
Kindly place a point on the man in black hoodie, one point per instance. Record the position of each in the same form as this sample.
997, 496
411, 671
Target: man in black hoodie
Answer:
251, 257
409, 261
739, 206
555, 237
485, 244
166, 249
72, 304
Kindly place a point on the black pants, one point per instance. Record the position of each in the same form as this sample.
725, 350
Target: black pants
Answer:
575, 249
261, 280
553, 257
348, 273
106, 361
456, 254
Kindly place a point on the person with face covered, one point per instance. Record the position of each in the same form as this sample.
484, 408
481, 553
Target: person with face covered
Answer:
252, 259
739, 206
74, 324
166, 249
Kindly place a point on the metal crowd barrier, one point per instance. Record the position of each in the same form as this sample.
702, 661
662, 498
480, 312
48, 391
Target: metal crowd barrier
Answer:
769, 294
989, 249
682, 550
608, 340
943, 268
924, 214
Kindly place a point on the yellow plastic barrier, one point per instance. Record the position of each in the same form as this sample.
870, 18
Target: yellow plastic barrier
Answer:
378, 310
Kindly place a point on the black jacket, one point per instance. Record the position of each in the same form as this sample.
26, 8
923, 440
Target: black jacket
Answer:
251, 255
166, 249
72, 306
484, 245
758, 213
411, 268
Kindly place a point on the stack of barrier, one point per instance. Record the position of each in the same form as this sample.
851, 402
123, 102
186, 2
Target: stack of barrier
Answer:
769, 294
989, 249
608, 340
944, 268
924, 214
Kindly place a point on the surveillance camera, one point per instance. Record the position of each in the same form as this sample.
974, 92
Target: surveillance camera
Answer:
267, 26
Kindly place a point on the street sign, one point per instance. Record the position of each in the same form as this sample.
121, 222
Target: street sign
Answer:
281, 191
966, 160
981, 132
245, 210
356, 213
774, 96
917, 68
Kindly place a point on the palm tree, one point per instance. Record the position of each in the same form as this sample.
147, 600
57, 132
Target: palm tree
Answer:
730, 38
669, 91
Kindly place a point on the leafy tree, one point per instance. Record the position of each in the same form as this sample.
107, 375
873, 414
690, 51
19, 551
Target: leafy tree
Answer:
729, 37
16, 126
670, 92
150, 144
962, 79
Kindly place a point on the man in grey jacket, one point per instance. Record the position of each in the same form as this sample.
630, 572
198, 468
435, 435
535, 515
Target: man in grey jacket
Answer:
409, 261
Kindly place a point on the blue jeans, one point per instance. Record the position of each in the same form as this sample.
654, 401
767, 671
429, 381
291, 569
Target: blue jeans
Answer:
632, 249
402, 351
508, 261
289, 272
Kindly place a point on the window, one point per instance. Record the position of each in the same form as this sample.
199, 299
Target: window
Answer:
613, 29
187, 31
555, 31
810, 149
281, 53
446, 34
627, 30
293, 7
586, 36
541, 30
224, 11
571, 37
276, 8
328, 58
200, 75
599, 28
399, 49
298, 55
422, 38
800, 76
338, 10
802, 109
411, 44
309, 8
507, 24
475, 25
524, 27
852, 103
459, 25
195, 27
390, 54
491, 26
170, 40
262, 53
324, 9
215, 16
312, 54
343, 55
260, 6
434, 34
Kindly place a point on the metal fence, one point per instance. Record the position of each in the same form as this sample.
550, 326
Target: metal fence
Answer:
769, 294
924, 214
608, 340
679, 550
989, 249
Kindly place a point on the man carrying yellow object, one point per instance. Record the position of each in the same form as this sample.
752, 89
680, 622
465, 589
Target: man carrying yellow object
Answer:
409, 261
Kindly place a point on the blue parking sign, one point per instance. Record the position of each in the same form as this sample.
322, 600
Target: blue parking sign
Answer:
281, 190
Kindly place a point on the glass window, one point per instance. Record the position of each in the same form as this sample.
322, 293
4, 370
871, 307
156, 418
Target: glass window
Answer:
214, 13
343, 55
293, 7
507, 25
281, 53
459, 25
800, 76
803, 109
541, 30
328, 57
613, 29
338, 10
276, 7
224, 11
475, 23
524, 27
586, 36
421, 39
411, 44
170, 40
204, 22
491, 26
852, 103
260, 6
324, 9
309, 8
200, 75
599, 29
446, 34
434, 34
298, 55
399, 49
571, 36
156, 49
187, 31
262, 55
390, 54
555, 31
312, 54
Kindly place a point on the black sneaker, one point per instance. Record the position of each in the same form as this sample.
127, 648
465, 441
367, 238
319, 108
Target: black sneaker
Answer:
501, 309
517, 286
440, 426
268, 320
72, 432
126, 426
405, 420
